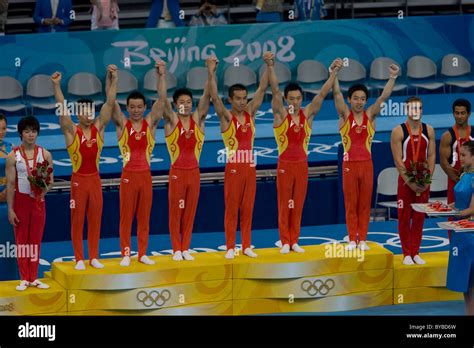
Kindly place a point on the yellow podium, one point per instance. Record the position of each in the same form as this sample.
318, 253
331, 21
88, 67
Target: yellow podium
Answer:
422, 283
323, 279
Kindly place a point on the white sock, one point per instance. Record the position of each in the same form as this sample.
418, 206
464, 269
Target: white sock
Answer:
230, 254
351, 246
177, 256
285, 249
407, 260
125, 261
23, 285
187, 256
363, 245
96, 264
39, 284
418, 260
80, 266
296, 248
147, 261
249, 252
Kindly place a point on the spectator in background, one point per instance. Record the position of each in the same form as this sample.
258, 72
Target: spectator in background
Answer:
269, 10
164, 13
309, 10
3, 15
208, 15
53, 15
104, 15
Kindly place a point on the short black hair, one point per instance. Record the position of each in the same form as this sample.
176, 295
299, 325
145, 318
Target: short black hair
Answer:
358, 87
28, 122
3, 117
292, 86
182, 91
237, 87
462, 102
136, 95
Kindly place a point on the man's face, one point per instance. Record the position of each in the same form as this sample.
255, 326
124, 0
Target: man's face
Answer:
136, 108
461, 115
184, 105
294, 100
239, 100
357, 101
86, 113
415, 110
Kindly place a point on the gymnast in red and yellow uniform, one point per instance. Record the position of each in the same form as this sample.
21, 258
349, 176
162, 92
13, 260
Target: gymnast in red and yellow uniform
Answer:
184, 133
136, 142
84, 143
357, 128
292, 129
240, 180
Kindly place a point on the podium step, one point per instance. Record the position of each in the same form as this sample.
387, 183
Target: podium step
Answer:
433, 273
146, 299
32, 301
313, 287
324, 304
425, 294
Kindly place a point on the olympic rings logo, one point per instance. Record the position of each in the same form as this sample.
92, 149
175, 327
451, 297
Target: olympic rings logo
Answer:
312, 288
153, 298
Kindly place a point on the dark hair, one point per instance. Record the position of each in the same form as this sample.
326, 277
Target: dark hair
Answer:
136, 95
85, 101
292, 86
182, 91
358, 87
470, 146
462, 102
28, 122
237, 87
3, 117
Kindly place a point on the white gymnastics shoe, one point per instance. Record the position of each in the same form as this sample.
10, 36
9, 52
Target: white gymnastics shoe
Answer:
146, 260
250, 253
125, 261
363, 246
177, 256
408, 261
418, 260
187, 256
230, 254
96, 264
285, 249
80, 266
39, 285
351, 246
296, 248
23, 285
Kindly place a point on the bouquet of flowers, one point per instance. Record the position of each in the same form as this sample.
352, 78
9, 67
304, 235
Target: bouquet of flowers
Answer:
419, 173
40, 179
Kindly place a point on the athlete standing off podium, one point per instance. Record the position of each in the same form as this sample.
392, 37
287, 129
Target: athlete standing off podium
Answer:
357, 128
412, 142
84, 143
240, 180
450, 145
292, 129
184, 132
136, 142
